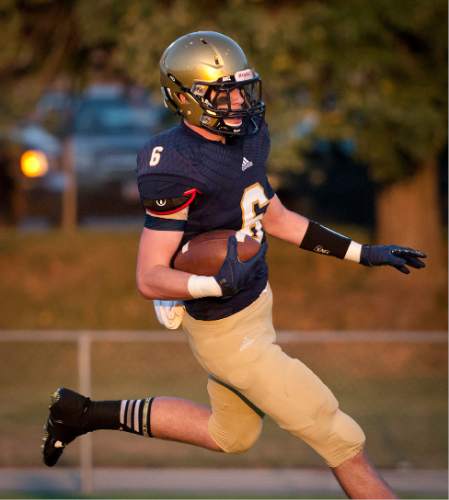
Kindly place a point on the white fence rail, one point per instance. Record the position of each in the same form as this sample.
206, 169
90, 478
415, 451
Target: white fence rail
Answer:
284, 336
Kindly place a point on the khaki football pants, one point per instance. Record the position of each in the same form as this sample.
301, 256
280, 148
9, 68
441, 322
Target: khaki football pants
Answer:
250, 375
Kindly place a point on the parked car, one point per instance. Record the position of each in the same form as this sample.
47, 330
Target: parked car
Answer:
97, 136
106, 134
30, 176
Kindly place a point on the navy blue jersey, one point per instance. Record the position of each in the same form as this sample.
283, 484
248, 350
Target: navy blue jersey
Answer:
225, 187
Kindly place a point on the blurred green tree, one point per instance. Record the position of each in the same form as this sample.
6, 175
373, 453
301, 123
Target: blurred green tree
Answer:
36, 37
48, 41
374, 72
385, 64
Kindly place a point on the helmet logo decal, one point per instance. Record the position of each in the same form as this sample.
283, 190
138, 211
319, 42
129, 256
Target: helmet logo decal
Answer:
161, 203
243, 75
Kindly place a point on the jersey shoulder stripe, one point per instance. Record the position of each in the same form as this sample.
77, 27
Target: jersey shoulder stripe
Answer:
168, 206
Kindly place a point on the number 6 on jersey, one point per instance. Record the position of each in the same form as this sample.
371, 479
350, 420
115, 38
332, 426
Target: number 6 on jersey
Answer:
251, 221
155, 156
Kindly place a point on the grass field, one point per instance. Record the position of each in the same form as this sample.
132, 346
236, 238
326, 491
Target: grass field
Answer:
397, 392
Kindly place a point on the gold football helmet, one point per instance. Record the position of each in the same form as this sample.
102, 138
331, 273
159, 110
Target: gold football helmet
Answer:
205, 67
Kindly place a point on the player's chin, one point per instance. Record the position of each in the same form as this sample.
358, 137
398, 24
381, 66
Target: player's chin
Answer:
233, 122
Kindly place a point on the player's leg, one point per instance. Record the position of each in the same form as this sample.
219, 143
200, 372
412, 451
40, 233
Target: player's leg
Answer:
284, 388
359, 479
71, 415
182, 420
233, 425
301, 404
290, 393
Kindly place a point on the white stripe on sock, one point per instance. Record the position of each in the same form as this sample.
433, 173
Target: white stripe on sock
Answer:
136, 415
129, 414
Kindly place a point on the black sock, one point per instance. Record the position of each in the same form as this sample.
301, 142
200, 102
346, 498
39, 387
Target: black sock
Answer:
124, 415
103, 415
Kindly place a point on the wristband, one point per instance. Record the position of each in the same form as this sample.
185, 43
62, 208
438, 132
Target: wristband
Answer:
322, 240
354, 252
203, 286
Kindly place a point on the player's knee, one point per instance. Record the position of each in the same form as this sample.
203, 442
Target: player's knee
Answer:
339, 437
244, 439
333, 434
238, 439
346, 439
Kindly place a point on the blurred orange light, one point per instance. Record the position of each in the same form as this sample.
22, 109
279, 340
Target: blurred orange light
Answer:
33, 163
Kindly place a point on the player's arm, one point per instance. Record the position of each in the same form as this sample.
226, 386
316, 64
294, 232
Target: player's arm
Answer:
282, 223
165, 221
159, 242
155, 279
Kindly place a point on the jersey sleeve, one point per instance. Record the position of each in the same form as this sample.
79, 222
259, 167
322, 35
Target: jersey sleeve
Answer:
167, 222
165, 188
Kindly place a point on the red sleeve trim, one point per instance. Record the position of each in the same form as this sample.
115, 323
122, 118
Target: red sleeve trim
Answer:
192, 195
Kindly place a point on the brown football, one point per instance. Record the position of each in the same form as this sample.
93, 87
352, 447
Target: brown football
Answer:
204, 254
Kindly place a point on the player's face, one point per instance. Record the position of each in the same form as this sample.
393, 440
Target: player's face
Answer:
237, 101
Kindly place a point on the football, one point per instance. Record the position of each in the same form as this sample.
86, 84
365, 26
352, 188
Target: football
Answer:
204, 254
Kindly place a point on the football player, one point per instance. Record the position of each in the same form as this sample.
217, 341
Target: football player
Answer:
207, 173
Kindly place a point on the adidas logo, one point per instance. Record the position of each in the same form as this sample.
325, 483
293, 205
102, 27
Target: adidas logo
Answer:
246, 164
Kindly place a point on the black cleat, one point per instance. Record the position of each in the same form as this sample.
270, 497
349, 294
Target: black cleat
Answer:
66, 421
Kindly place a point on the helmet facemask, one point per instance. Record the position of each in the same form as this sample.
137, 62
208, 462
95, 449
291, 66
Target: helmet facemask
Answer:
215, 101
218, 109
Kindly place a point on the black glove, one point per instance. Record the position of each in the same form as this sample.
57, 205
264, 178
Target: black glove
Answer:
392, 255
235, 275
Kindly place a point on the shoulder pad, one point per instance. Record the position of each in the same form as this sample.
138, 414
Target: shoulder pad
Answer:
167, 206
165, 153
